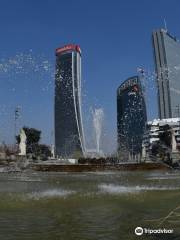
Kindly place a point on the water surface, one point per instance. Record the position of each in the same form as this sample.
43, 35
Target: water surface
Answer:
88, 206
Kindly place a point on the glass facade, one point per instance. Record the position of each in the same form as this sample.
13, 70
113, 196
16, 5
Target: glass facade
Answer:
167, 64
131, 117
69, 138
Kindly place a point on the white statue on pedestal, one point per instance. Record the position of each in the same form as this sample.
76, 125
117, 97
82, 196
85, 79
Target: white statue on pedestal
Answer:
173, 141
22, 144
52, 151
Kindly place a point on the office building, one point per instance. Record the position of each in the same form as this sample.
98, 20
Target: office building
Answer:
167, 67
131, 118
69, 135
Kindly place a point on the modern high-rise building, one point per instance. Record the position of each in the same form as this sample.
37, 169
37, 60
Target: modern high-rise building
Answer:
69, 136
131, 118
167, 66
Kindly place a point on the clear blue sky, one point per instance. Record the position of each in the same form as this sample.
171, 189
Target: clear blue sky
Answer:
115, 38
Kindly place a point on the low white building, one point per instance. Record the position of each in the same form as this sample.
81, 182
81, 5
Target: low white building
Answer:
153, 130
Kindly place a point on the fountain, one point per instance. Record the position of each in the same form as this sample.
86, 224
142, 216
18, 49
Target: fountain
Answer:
98, 116
21, 75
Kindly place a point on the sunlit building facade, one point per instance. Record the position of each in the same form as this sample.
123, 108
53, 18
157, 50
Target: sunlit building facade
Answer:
131, 118
69, 135
167, 67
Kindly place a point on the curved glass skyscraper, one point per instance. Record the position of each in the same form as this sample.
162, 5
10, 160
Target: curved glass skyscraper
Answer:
69, 136
131, 118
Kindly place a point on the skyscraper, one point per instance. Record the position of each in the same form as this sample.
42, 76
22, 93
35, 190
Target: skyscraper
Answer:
167, 66
131, 118
69, 136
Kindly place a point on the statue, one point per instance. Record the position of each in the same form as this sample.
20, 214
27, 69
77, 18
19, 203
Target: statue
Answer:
22, 144
173, 141
52, 151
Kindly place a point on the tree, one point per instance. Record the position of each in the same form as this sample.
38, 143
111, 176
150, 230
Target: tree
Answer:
33, 137
32, 144
165, 136
162, 148
43, 151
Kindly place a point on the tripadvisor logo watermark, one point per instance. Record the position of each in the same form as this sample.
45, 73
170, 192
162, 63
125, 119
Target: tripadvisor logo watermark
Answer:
140, 231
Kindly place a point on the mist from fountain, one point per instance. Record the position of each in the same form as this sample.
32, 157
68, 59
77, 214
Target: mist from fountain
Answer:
22, 75
98, 117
